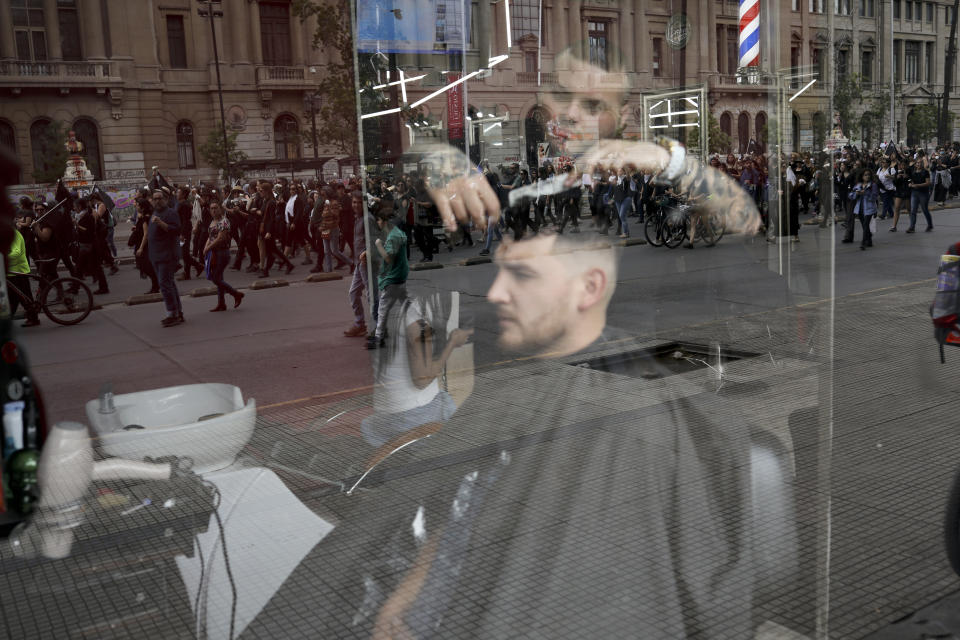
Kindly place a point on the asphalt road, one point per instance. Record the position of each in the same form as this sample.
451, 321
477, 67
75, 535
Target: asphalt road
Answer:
285, 344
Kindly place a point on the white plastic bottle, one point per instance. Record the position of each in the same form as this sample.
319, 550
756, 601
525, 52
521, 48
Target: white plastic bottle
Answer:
12, 428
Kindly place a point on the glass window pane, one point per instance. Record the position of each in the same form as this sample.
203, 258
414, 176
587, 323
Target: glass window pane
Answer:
39, 39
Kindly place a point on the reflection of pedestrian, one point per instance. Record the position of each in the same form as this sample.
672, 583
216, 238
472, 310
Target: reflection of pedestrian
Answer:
359, 285
216, 252
393, 271
162, 240
330, 234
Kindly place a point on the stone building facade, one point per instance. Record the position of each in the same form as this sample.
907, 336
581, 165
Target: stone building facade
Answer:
136, 80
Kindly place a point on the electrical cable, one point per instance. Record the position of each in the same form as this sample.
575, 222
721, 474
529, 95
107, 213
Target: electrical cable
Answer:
196, 601
226, 559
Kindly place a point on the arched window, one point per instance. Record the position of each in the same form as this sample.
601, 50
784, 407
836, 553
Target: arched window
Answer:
743, 132
286, 137
535, 126
86, 130
761, 126
41, 146
185, 145
726, 123
8, 141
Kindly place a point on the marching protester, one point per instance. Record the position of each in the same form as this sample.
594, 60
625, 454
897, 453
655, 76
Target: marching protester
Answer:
88, 237
163, 235
217, 256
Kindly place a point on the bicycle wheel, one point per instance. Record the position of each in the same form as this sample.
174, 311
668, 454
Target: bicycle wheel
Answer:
651, 229
717, 226
674, 229
706, 231
951, 529
66, 300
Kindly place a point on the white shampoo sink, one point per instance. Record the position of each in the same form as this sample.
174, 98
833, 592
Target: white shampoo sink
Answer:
208, 423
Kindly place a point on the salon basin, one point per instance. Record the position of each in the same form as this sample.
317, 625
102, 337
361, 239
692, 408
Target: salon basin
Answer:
208, 423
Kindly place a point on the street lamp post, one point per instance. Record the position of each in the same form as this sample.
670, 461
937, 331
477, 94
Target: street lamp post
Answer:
312, 103
209, 12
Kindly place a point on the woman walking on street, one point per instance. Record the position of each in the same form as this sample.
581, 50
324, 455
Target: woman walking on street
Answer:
217, 256
901, 193
864, 196
330, 234
920, 194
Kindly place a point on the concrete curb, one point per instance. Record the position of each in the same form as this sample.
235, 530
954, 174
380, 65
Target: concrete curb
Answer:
145, 298
203, 291
323, 277
272, 283
466, 262
425, 266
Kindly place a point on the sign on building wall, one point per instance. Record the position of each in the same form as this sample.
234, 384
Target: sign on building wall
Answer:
454, 109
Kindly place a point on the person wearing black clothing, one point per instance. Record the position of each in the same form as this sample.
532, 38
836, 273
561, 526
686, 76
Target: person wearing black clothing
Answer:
163, 237
47, 246
422, 230
570, 203
919, 194
90, 260
901, 192
272, 229
185, 215
250, 239
138, 241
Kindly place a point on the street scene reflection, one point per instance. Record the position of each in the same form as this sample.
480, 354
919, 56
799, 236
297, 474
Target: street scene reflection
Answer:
532, 320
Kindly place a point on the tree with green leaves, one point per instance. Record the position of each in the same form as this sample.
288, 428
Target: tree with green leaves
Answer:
50, 153
718, 141
215, 156
847, 98
337, 115
922, 123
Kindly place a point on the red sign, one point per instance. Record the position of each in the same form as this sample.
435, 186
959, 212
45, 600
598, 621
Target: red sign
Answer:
455, 109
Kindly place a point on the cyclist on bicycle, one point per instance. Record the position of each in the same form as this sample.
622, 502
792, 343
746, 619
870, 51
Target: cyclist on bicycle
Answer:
17, 270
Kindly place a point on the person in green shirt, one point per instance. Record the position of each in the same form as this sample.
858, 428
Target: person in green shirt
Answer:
17, 270
393, 271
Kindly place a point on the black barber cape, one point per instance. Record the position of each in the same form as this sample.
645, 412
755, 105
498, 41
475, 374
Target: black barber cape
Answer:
554, 512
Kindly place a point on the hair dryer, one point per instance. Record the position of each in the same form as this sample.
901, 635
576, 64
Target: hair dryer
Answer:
64, 475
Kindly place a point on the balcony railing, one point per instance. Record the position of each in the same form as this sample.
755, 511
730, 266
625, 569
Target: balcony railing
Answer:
527, 78
277, 76
72, 71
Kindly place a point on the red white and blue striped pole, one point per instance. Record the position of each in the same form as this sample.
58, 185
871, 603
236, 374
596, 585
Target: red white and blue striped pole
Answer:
749, 34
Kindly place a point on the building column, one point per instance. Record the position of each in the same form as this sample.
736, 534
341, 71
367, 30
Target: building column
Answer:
90, 30
52, 23
558, 31
7, 49
296, 42
625, 48
236, 12
256, 45
639, 38
576, 31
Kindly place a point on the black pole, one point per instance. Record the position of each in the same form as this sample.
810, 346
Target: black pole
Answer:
943, 116
223, 118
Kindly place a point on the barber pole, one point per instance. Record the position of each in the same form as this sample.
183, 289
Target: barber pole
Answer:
749, 34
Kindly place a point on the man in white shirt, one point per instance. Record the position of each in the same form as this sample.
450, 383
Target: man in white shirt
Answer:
885, 177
